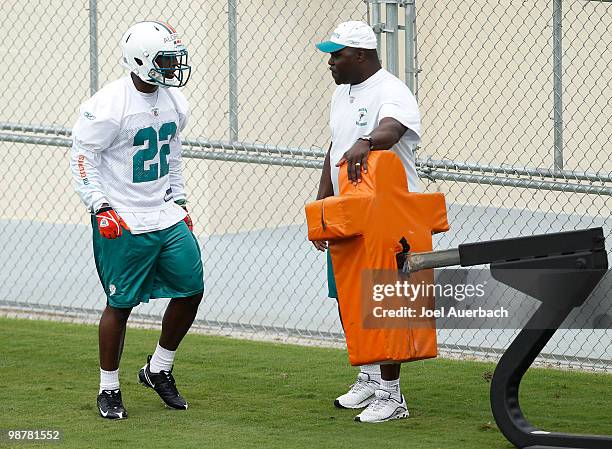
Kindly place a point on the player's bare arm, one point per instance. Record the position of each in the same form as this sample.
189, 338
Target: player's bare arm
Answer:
383, 137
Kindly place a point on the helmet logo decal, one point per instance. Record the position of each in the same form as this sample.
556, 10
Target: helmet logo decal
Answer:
174, 38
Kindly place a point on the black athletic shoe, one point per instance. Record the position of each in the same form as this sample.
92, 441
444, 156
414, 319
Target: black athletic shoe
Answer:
110, 405
163, 383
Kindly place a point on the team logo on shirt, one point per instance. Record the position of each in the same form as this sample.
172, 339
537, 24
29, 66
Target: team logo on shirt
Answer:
155, 111
89, 116
362, 117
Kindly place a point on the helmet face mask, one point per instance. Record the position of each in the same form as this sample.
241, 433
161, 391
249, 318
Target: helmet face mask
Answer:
171, 68
154, 52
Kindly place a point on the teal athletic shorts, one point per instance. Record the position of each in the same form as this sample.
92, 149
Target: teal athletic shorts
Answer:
331, 280
159, 264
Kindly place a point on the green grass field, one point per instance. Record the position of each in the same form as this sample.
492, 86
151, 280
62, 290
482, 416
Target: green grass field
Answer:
245, 394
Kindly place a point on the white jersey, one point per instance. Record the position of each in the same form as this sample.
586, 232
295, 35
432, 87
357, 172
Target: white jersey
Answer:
357, 109
126, 151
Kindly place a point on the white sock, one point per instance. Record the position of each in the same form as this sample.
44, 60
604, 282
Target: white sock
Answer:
393, 387
371, 370
109, 380
162, 360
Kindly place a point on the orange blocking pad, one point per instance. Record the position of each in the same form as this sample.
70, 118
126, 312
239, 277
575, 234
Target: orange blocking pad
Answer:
364, 226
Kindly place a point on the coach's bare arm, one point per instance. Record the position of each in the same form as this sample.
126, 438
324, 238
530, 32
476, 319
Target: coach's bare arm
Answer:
325, 189
384, 136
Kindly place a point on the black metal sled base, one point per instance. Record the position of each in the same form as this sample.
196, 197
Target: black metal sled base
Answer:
560, 270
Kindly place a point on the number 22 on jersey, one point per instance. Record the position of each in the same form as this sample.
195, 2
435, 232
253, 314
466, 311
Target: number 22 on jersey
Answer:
140, 171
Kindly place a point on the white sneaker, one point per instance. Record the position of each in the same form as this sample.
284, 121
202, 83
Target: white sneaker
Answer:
384, 408
360, 394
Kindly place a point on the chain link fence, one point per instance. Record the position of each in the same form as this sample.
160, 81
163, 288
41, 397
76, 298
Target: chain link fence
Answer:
515, 100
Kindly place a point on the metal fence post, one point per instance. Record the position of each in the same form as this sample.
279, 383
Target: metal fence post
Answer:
557, 83
392, 40
233, 69
93, 46
411, 65
376, 23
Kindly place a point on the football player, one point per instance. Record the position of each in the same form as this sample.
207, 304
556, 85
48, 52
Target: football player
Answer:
126, 164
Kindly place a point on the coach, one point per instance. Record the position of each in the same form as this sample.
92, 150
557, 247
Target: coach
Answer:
371, 110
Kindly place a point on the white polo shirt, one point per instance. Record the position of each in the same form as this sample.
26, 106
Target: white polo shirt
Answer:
357, 109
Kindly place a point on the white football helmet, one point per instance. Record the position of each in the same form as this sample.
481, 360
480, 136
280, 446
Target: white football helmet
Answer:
154, 52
